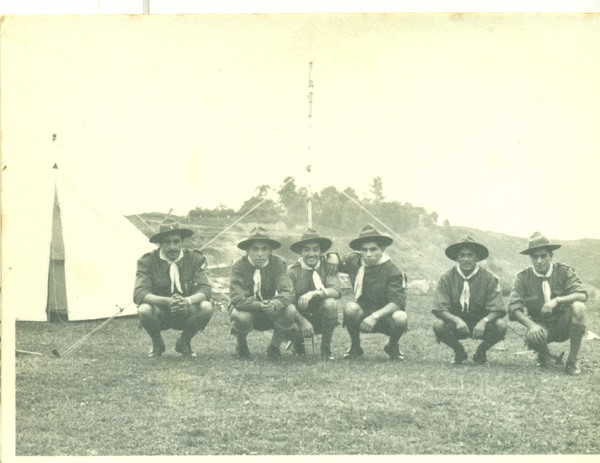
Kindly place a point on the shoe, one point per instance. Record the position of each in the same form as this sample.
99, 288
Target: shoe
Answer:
242, 351
353, 352
155, 352
273, 353
572, 369
542, 359
327, 355
480, 358
184, 348
459, 357
299, 348
157, 349
394, 352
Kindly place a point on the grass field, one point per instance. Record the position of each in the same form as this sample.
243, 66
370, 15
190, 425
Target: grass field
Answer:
107, 398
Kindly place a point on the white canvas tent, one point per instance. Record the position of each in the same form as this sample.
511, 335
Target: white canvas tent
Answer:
62, 255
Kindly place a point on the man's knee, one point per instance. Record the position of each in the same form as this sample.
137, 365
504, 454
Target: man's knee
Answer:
329, 307
400, 320
241, 321
352, 312
578, 313
444, 331
441, 328
204, 309
286, 315
500, 326
147, 311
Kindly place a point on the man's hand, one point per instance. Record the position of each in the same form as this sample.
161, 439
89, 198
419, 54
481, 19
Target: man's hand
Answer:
548, 307
179, 303
461, 327
174, 301
479, 329
305, 327
536, 335
305, 299
266, 307
368, 323
333, 258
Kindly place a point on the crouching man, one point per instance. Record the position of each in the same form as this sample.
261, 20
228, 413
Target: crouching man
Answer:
468, 303
261, 294
316, 288
548, 299
172, 290
380, 292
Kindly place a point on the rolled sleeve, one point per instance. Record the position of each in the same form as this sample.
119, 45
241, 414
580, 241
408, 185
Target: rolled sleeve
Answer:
494, 299
332, 279
143, 281
396, 290
441, 297
517, 298
241, 295
285, 288
201, 283
574, 283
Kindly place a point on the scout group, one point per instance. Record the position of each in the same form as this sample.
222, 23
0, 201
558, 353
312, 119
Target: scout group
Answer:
173, 292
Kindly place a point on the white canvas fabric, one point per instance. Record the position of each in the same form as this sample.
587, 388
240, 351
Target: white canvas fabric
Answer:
101, 249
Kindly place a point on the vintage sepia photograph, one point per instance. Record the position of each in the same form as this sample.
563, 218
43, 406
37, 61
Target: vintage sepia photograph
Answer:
300, 235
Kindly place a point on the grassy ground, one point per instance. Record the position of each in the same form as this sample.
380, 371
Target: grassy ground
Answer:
107, 398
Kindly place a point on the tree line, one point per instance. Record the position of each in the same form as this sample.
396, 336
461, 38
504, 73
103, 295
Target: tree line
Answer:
331, 208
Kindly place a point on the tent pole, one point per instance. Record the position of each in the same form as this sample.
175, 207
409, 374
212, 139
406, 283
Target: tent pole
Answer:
309, 209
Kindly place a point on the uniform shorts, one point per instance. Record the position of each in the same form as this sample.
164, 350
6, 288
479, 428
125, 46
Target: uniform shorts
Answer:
557, 328
262, 321
471, 322
384, 325
172, 320
314, 314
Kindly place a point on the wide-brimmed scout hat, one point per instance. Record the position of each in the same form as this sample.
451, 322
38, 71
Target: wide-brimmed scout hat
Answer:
467, 242
170, 226
310, 236
537, 241
258, 234
369, 233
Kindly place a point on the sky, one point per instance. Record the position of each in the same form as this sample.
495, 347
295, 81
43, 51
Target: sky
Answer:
489, 120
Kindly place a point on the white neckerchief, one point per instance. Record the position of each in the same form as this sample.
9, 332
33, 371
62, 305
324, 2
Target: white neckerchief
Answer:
257, 278
173, 270
315, 275
360, 275
465, 296
545, 283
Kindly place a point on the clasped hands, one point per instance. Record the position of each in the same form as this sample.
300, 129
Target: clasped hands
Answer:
179, 303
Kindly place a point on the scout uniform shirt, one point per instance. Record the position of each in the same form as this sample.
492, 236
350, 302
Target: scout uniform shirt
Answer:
485, 296
152, 276
303, 281
527, 292
276, 285
382, 283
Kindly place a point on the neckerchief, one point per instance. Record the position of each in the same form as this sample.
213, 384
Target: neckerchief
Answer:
360, 275
545, 283
173, 270
257, 278
465, 296
315, 275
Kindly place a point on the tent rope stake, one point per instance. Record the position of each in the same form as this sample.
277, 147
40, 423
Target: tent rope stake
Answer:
86, 337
